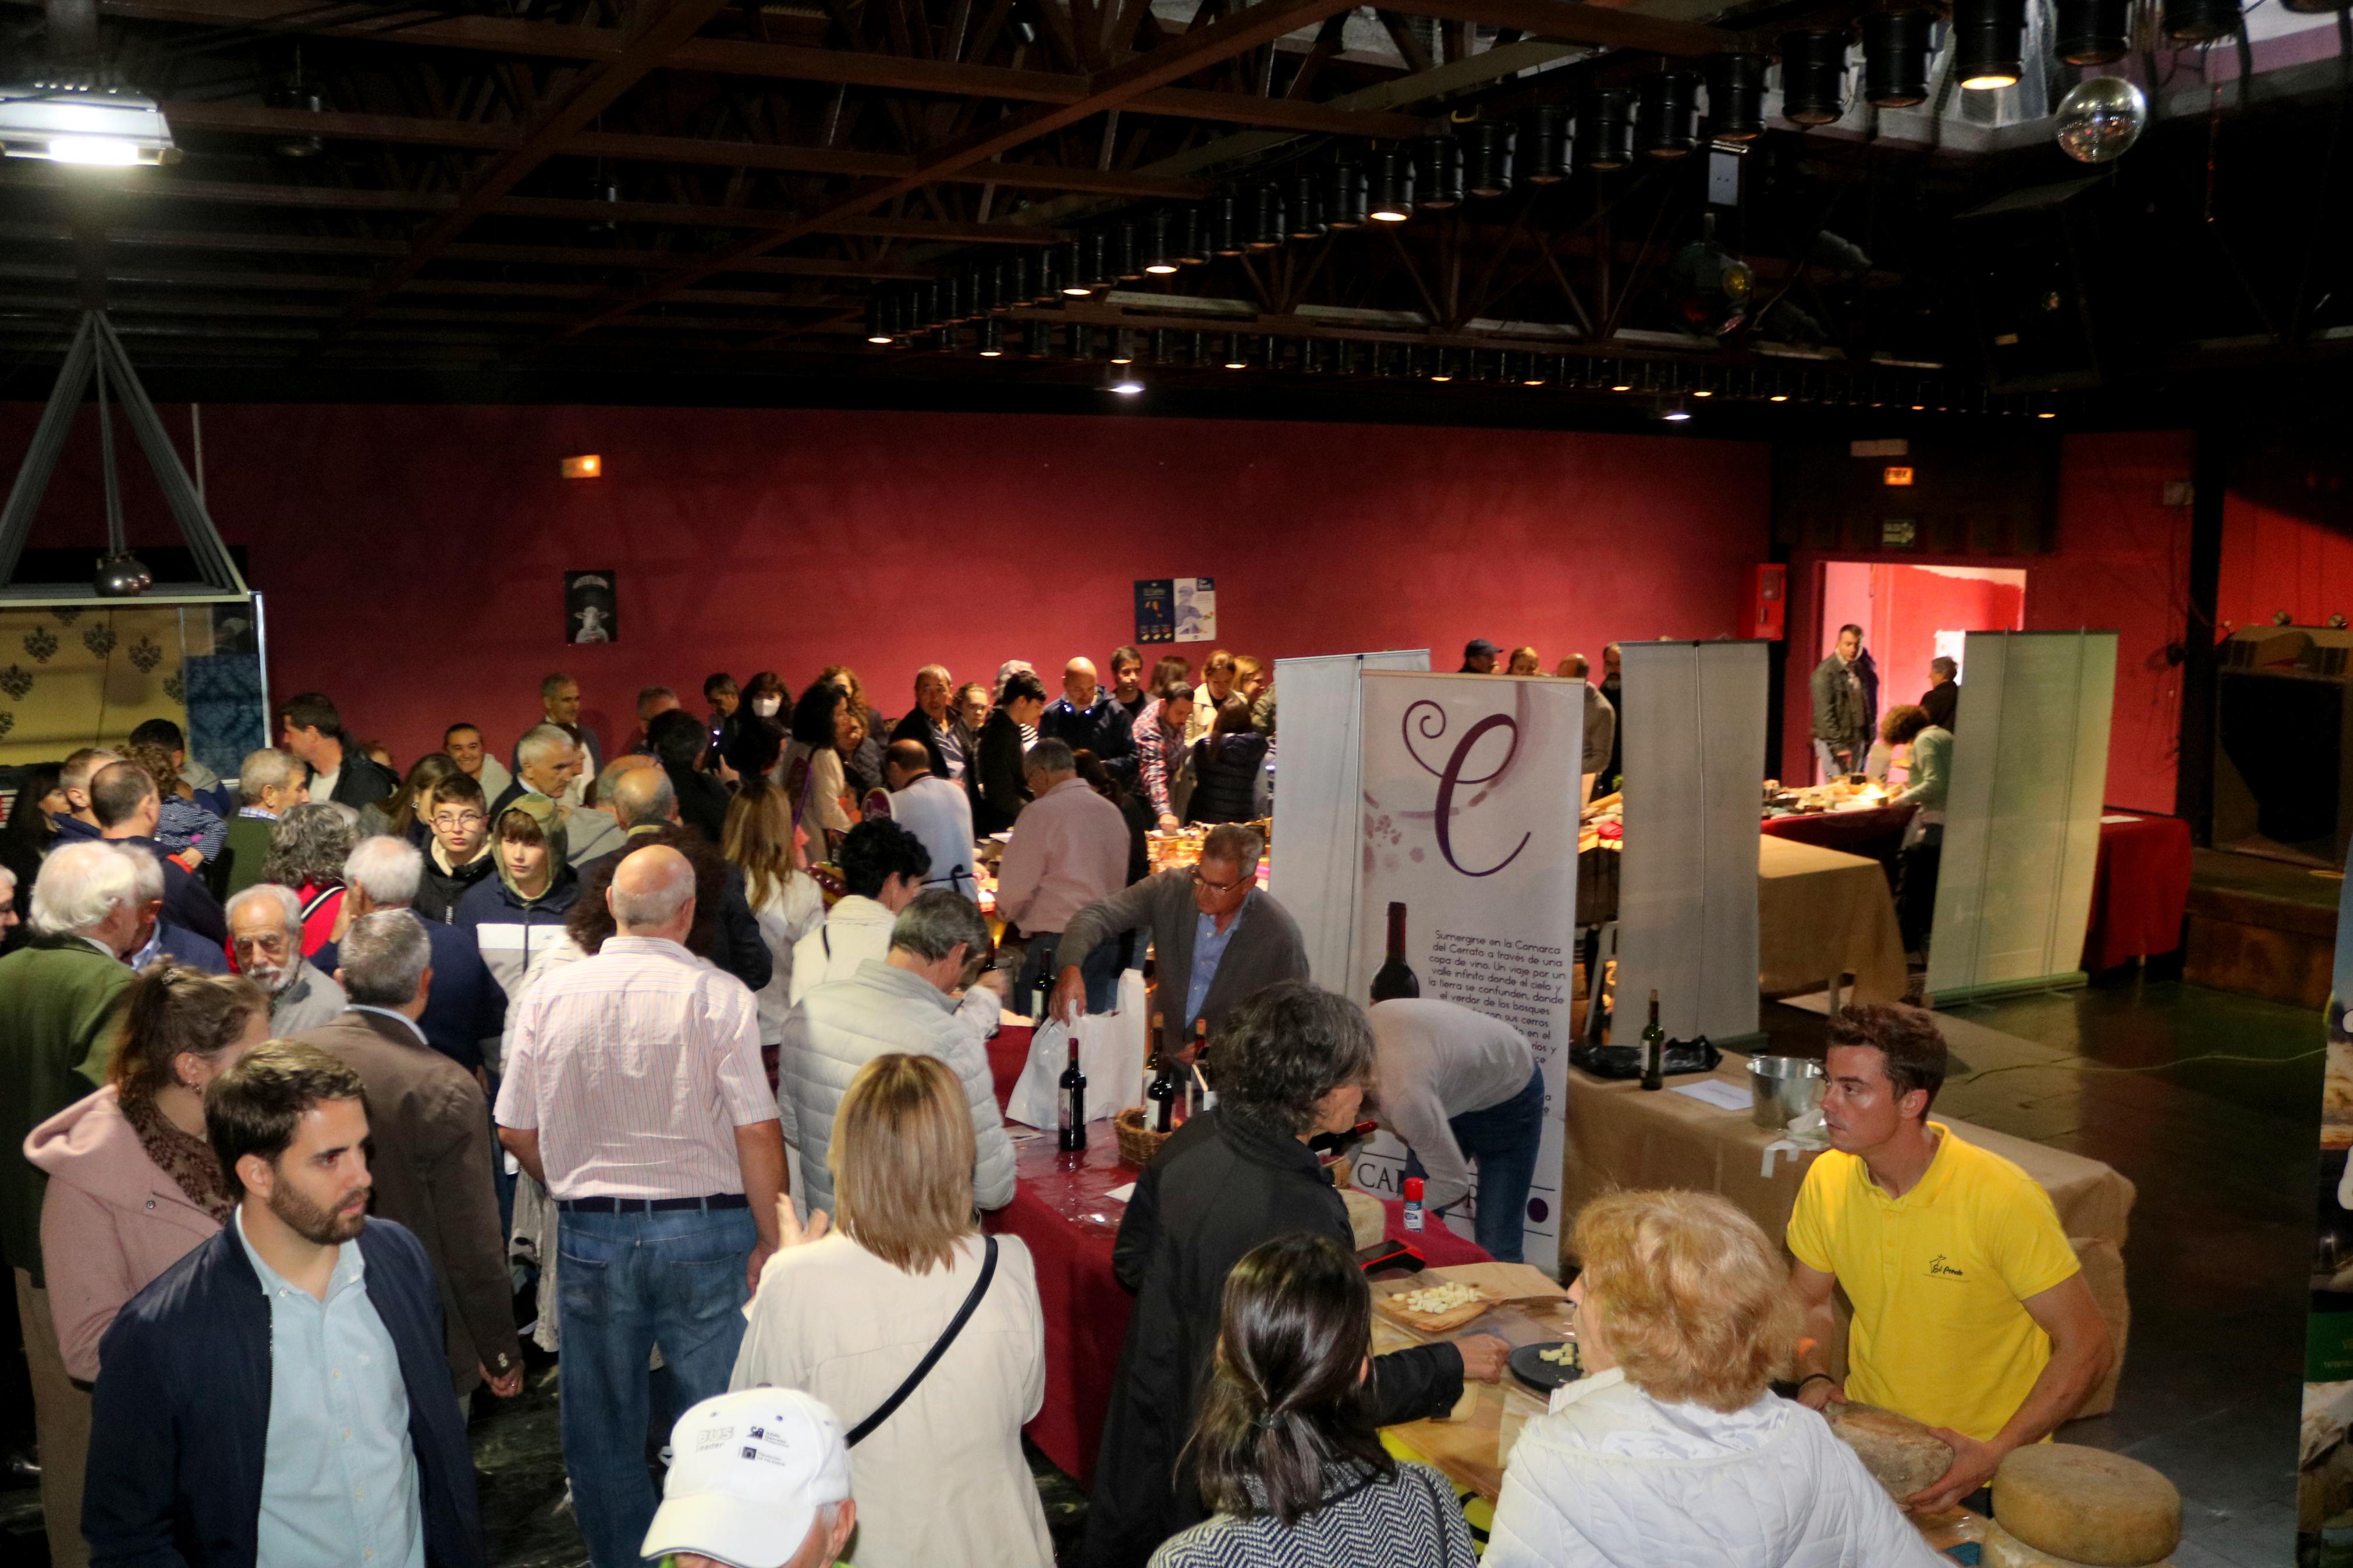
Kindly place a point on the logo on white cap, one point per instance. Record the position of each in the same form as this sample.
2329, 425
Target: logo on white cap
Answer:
748, 1473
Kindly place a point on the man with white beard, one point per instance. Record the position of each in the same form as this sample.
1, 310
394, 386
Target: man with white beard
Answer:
265, 934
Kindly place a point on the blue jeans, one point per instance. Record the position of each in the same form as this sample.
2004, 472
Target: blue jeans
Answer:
1100, 972
1502, 1140
628, 1282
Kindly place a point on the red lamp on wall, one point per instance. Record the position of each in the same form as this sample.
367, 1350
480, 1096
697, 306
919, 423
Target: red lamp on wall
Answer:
1770, 599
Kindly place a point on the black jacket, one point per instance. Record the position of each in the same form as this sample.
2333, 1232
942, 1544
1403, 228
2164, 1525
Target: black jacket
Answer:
187, 902
438, 892
998, 786
1105, 729
363, 781
1942, 700
916, 726
703, 803
181, 1411
1222, 1185
1226, 773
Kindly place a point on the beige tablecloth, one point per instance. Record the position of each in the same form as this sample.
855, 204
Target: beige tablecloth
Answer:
1619, 1137
1821, 913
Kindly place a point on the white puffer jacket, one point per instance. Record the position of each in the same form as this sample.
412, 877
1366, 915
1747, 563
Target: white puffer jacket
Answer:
856, 929
1613, 1478
836, 1030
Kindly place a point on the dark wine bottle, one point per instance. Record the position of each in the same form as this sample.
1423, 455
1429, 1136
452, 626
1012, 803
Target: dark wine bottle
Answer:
1041, 998
1395, 978
1654, 1050
1162, 1094
1074, 1097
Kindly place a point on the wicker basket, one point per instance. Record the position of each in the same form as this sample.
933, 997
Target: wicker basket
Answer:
1138, 1143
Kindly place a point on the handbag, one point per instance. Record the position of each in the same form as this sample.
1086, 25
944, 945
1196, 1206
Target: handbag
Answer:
1626, 1061
882, 1412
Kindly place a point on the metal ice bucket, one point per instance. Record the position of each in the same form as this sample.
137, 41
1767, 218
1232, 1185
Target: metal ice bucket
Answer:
1785, 1087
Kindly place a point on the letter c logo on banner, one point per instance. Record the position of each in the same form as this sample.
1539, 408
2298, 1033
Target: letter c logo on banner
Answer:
1433, 725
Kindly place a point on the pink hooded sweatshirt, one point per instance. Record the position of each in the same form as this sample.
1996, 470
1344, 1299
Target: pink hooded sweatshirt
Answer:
112, 1221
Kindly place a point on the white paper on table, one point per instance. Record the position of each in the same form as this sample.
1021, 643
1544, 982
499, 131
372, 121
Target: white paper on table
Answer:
1717, 1092
1121, 1195
2113, 817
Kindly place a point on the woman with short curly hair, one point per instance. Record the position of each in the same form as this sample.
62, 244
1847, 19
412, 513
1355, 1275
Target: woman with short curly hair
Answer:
307, 851
1673, 1449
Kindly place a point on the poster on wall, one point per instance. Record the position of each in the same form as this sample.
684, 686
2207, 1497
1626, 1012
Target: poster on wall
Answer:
2324, 1452
590, 612
1196, 609
1155, 609
1469, 824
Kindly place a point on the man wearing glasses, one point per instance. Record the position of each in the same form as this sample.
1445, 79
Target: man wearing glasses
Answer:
459, 856
1218, 939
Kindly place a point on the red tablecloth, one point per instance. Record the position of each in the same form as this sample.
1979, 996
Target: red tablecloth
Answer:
2138, 891
1061, 1213
1875, 833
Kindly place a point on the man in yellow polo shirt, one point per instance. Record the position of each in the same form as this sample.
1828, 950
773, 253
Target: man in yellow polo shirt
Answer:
1971, 1311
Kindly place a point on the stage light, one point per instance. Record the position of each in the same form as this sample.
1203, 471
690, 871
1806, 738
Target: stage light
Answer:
1164, 346
1315, 356
1235, 358
1122, 346
1542, 156
1709, 289
1074, 270
987, 284
1097, 270
1015, 274
992, 338
1267, 224
1487, 157
1446, 366
1348, 357
1125, 383
2199, 21
1605, 131
1988, 43
2093, 32
1895, 57
1390, 198
1306, 194
1437, 172
1343, 193
1813, 78
1127, 259
1676, 412
79, 122
1666, 117
2047, 414
1046, 281
1160, 257
1225, 223
1702, 392
1619, 381
1192, 244
588, 466
879, 330
1736, 96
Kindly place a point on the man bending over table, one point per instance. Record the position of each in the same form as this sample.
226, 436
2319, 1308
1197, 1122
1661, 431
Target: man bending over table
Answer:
1971, 1311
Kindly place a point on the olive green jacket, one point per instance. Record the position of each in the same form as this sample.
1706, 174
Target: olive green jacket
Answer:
60, 998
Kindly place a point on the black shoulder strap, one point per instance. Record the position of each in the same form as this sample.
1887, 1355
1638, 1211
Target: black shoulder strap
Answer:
865, 1428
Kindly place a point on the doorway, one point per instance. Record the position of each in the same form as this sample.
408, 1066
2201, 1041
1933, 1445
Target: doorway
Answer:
1910, 614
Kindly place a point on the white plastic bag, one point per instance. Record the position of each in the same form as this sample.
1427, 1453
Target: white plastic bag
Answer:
1111, 1053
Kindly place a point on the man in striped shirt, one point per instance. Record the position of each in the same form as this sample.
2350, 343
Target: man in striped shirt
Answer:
634, 1093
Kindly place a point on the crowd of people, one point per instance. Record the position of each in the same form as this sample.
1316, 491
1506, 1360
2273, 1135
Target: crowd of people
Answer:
345, 1096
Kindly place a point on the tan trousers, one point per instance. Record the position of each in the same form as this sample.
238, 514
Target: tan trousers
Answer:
61, 1423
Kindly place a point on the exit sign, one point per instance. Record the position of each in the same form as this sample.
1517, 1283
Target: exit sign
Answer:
1897, 532
1895, 474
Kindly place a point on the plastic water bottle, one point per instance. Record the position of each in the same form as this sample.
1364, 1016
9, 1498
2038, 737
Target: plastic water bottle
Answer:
1413, 1203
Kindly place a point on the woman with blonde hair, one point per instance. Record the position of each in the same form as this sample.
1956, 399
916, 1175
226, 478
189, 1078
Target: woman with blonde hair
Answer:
1673, 1450
784, 897
924, 1334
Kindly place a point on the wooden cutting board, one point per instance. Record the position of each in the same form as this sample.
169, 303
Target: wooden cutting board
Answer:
1496, 1282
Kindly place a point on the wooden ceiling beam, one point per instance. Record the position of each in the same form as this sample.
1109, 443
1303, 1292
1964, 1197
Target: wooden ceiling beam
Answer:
1570, 21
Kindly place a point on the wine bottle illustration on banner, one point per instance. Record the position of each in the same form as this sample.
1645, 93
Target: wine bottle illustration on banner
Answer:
1395, 978
1654, 1050
1073, 1102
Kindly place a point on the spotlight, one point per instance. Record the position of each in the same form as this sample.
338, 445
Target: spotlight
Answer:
1543, 153
1192, 242
1082, 341
1159, 257
1126, 251
1164, 346
2201, 21
1813, 78
1736, 97
1988, 43
987, 285
2096, 32
1073, 267
1709, 289
1015, 274
1390, 198
1226, 222
1447, 366
1348, 357
1097, 269
1619, 380
1479, 366
1487, 157
1666, 118
1267, 226
1306, 205
1045, 283
1344, 202
1198, 350
1605, 131
300, 98
992, 339
1895, 57
1676, 412
1437, 172
956, 302
1121, 380
1235, 358
1267, 351
1702, 392
80, 122
1122, 346
1315, 356
878, 315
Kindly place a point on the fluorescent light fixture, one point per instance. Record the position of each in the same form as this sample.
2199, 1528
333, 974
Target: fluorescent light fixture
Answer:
76, 123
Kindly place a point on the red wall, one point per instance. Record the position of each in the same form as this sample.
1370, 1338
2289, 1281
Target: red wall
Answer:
2122, 565
412, 557
2287, 546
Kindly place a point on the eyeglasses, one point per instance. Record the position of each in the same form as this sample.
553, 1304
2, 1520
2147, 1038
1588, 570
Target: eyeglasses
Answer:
457, 821
1220, 889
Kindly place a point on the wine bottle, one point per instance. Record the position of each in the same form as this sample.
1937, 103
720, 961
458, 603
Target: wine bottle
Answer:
1654, 1050
1395, 978
1073, 1102
1162, 1095
1041, 998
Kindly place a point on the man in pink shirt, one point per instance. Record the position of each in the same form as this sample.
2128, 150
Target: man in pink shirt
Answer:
1068, 850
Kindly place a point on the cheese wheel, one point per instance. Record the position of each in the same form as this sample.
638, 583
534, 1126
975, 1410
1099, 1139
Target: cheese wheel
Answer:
2003, 1550
2085, 1505
1366, 1219
1901, 1455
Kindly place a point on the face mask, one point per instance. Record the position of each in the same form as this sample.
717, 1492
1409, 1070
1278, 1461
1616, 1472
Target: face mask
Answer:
766, 707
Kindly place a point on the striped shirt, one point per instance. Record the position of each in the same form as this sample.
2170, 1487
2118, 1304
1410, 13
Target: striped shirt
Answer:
635, 1065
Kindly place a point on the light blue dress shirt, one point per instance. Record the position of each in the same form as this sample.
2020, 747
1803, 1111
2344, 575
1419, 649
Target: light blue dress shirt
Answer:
339, 1486
1208, 951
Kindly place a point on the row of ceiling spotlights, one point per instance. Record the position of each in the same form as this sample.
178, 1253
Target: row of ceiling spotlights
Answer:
1611, 128
1124, 347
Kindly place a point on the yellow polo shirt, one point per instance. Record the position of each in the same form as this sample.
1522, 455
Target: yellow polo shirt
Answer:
1937, 1278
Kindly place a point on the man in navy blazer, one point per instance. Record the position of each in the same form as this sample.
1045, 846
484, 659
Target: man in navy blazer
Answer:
280, 1393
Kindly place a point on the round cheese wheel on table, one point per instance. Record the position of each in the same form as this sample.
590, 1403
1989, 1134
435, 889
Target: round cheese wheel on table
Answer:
2003, 1550
1903, 1456
2088, 1505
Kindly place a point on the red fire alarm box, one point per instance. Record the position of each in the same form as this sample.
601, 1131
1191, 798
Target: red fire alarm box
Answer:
1772, 602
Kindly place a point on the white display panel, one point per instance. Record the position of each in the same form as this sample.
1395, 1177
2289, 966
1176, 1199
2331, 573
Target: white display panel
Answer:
2022, 817
1313, 869
1694, 738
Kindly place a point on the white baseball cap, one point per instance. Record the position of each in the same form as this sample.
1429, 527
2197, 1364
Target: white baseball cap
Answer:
748, 1472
